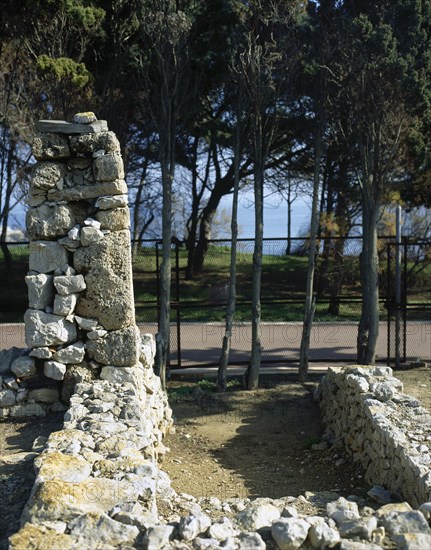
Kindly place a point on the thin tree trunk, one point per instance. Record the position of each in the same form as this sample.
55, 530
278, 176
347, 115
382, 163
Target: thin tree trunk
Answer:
231, 305
252, 375
167, 165
368, 329
310, 304
289, 219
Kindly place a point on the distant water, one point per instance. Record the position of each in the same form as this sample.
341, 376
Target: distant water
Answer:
274, 216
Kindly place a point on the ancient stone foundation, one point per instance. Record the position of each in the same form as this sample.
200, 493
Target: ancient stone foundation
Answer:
388, 432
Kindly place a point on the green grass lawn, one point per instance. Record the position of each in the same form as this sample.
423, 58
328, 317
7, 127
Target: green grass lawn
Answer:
282, 291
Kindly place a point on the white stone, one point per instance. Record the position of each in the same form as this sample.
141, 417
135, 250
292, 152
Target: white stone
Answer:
64, 305
69, 284
99, 530
73, 234
158, 536
86, 324
91, 235
109, 167
7, 398
10, 383
113, 201
23, 367
27, 409
71, 355
40, 290
90, 222
257, 516
84, 118
41, 353
45, 395
46, 256
46, 174
49, 222
119, 375
191, 526
43, 329
383, 391
289, 533
362, 528
221, 529
54, 370
342, 509
322, 536
249, 541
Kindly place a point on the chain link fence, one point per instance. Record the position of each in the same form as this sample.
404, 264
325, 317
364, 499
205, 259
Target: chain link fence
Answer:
199, 302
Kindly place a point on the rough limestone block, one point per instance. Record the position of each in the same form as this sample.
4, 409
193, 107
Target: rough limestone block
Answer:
69, 284
41, 353
84, 118
107, 203
108, 167
89, 143
63, 127
50, 147
45, 329
91, 235
64, 305
119, 348
7, 398
46, 256
27, 409
85, 192
40, 290
54, 370
54, 499
71, 355
114, 220
109, 293
23, 367
44, 395
46, 175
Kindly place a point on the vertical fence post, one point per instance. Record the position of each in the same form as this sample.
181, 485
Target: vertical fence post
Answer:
388, 300
158, 284
404, 302
177, 297
398, 289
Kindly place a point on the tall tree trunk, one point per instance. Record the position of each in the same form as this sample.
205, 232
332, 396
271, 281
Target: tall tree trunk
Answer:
310, 304
167, 165
252, 374
231, 304
368, 329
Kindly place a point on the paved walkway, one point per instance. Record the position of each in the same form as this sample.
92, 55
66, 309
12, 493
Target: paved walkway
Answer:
330, 342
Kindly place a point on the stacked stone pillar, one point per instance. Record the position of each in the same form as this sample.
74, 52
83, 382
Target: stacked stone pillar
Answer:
81, 307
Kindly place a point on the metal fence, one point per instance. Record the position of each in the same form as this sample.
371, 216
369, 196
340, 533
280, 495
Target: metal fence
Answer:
198, 303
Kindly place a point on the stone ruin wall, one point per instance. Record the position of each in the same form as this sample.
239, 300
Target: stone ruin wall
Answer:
97, 480
85, 353
80, 323
365, 410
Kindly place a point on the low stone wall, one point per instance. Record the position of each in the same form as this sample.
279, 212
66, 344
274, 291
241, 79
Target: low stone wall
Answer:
97, 478
387, 431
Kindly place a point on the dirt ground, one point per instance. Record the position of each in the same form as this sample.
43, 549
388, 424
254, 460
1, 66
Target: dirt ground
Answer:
240, 443
262, 443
